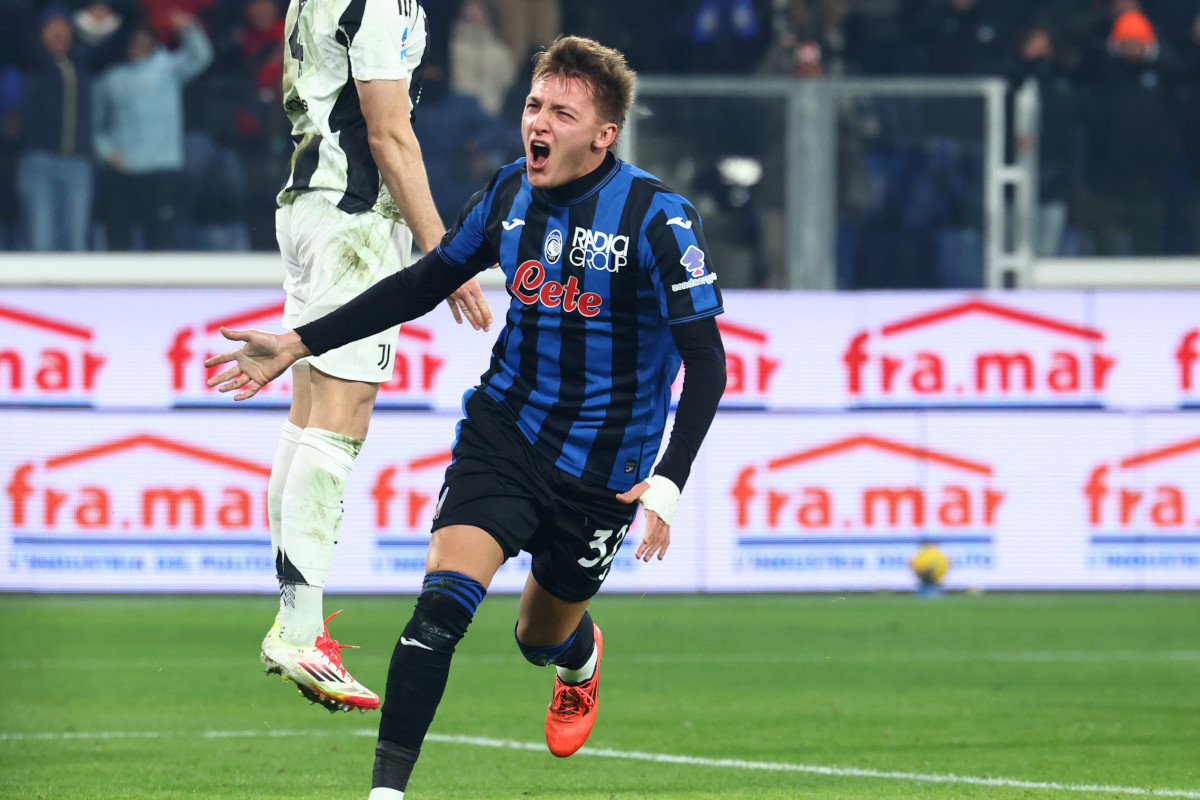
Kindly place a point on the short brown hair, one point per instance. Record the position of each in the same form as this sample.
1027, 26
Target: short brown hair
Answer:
602, 68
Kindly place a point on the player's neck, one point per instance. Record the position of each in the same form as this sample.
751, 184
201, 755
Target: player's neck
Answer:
581, 187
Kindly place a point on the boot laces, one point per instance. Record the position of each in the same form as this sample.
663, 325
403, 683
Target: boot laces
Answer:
331, 647
571, 701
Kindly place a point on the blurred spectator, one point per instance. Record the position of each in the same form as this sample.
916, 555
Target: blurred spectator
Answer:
807, 39
878, 37
159, 16
480, 64
463, 144
966, 37
139, 133
96, 23
10, 131
54, 169
18, 32
1183, 223
528, 25
728, 36
238, 162
1134, 132
260, 45
1058, 139
608, 22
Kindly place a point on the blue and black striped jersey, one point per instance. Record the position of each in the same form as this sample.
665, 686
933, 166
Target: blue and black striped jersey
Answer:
597, 270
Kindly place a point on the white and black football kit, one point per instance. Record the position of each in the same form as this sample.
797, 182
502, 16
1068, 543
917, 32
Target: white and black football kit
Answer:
339, 228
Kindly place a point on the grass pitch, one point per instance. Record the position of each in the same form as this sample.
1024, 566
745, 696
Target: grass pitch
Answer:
792, 696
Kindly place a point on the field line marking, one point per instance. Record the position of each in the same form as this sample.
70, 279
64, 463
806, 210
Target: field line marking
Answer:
851, 772
634, 755
1020, 656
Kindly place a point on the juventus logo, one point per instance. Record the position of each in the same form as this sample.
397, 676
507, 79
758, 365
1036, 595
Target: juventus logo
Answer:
385, 355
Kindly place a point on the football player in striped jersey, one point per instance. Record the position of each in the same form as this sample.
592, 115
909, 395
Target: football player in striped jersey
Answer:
611, 288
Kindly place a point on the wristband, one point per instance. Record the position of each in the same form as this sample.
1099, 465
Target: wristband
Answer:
661, 497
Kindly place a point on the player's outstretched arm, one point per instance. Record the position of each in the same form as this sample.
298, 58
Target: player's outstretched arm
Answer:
262, 359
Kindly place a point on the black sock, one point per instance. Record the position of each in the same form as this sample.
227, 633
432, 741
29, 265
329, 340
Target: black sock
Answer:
418, 671
580, 650
393, 766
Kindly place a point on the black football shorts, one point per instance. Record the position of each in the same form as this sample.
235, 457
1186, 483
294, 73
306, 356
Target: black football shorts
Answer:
500, 483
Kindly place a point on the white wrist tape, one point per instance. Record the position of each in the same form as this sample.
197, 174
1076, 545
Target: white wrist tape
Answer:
661, 497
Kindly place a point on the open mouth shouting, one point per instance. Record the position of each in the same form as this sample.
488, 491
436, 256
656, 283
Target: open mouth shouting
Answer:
539, 154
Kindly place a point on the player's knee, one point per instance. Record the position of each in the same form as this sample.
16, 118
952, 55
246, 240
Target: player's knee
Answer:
543, 656
444, 611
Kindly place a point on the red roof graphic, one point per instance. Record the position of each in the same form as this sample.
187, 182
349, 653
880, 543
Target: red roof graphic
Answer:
879, 443
46, 323
160, 443
1161, 453
432, 460
981, 306
274, 312
741, 331
416, 332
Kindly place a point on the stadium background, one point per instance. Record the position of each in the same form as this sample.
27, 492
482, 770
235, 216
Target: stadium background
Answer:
1046, 439
947, 319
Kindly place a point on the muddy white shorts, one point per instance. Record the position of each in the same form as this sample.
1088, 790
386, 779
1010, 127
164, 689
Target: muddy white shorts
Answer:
331, 257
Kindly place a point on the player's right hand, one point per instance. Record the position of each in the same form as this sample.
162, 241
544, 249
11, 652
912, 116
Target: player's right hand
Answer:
468, 301
261, 360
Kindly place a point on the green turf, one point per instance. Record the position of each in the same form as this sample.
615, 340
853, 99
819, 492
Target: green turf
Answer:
163, 697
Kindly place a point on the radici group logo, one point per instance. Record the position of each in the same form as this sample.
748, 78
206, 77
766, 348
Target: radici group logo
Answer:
416, 371
45, 360
977, 353
143, 504
862, 504
1143, 510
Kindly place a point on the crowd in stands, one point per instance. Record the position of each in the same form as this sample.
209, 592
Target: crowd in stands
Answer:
156, 124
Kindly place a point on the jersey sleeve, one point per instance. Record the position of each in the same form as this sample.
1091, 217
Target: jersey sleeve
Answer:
385, 43
673, 249
467, 242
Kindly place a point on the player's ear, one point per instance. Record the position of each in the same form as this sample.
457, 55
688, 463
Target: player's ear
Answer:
606, 136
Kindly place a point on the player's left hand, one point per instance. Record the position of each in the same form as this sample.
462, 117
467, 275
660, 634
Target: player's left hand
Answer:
659, 496
468, 301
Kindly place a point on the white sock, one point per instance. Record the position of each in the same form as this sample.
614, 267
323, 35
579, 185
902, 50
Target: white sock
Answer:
582, 674
289, 437
312, 512
381, 793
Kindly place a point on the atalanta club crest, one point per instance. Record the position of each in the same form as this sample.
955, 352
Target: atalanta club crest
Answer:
552, 249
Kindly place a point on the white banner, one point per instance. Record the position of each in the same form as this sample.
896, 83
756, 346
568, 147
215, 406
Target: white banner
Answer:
176, 501
785, 351
1045, 440
1048, 500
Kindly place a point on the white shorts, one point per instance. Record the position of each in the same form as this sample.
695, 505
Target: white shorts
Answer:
331, 257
